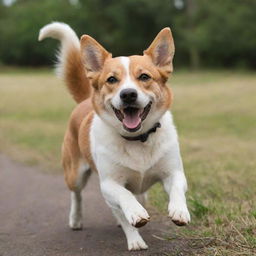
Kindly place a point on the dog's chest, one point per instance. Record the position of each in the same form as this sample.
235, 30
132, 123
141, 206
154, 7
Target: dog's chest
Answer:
139, 182
133, 155
136, 156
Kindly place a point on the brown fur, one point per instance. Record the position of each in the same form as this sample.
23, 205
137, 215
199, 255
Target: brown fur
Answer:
75, 76
100, 66
84, 140
138, 65
71, 153
157, 85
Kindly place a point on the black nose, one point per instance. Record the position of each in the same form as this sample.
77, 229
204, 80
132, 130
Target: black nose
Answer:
128, 95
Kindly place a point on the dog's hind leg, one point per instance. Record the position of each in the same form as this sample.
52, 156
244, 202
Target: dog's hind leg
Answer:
77, 173
134, 240
75, 215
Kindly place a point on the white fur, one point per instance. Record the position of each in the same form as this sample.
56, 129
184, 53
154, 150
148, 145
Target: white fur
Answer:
83, 171
133, 154
75, 215
127, 167
134, 240
143, 99
131, 167
68, 38
135, 165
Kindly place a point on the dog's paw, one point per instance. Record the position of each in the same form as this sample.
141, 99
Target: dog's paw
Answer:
137, 216
75, 224
136, 243
179, 214
118, 224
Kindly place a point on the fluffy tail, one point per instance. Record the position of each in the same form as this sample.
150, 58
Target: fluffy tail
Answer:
70, 66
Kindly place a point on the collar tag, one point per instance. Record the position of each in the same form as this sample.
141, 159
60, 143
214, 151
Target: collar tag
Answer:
144, 136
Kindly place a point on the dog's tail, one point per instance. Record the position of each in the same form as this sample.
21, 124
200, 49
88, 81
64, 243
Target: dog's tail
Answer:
70, 66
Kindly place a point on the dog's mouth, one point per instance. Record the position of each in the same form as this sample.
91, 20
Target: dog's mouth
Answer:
132, 117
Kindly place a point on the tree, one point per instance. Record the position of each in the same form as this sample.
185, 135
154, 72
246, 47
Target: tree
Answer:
216, 33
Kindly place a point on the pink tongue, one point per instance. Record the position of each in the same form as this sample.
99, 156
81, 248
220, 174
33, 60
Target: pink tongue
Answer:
131, 121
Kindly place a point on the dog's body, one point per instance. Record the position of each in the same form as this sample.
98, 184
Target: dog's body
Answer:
120, 99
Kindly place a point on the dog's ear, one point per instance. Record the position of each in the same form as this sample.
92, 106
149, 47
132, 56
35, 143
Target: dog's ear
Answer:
93, 55
161, 51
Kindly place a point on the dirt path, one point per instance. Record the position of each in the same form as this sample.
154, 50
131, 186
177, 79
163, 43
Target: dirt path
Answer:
33, 219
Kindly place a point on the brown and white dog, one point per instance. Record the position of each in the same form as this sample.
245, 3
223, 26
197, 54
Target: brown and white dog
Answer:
121, 128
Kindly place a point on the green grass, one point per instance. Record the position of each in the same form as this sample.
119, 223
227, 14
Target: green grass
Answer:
215, 113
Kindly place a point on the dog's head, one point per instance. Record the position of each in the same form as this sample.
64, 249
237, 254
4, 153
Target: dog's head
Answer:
130, 93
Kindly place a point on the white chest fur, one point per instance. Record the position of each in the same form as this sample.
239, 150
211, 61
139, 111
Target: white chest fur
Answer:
134, 155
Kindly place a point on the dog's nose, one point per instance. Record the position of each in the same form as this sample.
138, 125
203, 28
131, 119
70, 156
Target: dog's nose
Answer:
128, 95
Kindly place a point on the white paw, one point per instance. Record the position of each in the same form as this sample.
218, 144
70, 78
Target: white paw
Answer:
136, 215
136, 243
75, 223
179, 214
118, 224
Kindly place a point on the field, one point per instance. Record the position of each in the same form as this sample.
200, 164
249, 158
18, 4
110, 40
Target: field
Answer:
215, 114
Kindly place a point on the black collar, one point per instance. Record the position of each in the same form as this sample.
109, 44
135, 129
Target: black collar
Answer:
144, 136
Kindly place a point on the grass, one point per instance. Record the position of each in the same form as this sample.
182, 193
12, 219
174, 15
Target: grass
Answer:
34, 109
215, 113
216, 116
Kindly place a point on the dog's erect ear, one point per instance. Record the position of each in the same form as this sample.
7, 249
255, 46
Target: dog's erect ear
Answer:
93, 54
161, 50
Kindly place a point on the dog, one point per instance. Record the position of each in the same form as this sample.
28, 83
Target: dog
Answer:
121, 128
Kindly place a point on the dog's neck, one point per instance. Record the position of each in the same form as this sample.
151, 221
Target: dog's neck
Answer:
144, 136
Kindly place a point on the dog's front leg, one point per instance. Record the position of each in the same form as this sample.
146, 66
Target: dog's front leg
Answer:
134, 240
128, 211
175, 185
118, 197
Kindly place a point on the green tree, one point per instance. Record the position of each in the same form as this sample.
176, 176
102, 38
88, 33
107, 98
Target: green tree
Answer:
217, 33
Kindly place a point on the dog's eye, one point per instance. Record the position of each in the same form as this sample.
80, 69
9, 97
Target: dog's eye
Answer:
112, 80
144, 77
